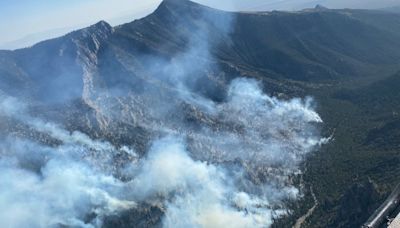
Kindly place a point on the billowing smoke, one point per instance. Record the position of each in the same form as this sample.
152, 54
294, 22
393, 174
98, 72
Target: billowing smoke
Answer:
202, 194
221, 151
45, 187
78, 181
59, 185
262, 128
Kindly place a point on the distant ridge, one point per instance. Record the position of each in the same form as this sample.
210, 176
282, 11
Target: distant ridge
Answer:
394, 9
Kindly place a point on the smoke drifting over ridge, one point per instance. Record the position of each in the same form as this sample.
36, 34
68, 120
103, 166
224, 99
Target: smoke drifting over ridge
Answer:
222, 162
76, 178
70, 181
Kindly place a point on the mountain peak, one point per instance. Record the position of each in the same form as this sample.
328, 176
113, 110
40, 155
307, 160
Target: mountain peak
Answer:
178, 4
320, 7
101, 25
180, 8
100, 29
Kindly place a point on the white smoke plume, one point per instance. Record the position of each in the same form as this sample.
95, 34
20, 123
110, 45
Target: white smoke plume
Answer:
62, 194
203, 195
266, 129
45, 186
65, 184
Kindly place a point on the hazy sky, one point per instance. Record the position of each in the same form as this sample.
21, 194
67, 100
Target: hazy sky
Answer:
28, 20
19, 18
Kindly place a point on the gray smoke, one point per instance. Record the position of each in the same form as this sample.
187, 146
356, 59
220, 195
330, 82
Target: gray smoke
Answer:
44, 186
203, 193
64, 184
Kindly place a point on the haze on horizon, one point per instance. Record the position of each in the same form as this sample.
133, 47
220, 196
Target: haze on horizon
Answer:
25, 22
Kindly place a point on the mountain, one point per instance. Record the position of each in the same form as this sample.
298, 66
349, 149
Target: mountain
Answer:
348, 60
393, 9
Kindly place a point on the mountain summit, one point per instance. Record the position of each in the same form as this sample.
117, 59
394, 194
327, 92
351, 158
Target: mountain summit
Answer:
320, 7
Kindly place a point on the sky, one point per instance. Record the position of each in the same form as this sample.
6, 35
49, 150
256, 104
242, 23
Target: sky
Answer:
23, 22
